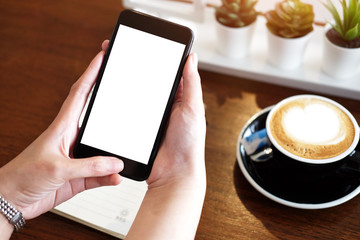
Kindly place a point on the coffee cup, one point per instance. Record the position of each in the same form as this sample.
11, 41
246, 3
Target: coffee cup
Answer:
306, 128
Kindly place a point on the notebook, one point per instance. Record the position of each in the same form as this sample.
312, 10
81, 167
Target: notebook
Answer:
110, 209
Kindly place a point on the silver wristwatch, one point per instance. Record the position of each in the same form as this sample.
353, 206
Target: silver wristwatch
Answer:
14, 216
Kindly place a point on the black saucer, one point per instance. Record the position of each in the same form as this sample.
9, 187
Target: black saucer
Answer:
293, 185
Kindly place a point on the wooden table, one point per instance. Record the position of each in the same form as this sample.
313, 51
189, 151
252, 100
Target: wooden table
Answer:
46, 45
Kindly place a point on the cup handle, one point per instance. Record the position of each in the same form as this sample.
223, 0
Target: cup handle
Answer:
352, 165
257, 146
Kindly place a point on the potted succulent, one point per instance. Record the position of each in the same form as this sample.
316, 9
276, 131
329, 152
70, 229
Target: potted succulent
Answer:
289, 26
341, 55
235, 26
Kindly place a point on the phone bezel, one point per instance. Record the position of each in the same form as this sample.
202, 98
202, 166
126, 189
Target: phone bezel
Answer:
159, 27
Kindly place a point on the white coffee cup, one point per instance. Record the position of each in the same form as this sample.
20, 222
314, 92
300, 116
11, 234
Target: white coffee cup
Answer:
312, 129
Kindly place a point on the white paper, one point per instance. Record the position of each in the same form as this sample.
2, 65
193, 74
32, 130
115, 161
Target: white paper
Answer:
110, 209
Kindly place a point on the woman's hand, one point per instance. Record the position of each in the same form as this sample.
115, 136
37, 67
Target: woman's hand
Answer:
45, 174
172, 205
181, 155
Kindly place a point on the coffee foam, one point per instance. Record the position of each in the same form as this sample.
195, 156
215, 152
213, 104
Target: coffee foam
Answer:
313, 124
312, 128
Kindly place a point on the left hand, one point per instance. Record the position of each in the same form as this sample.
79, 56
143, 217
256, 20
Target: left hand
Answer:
45, 174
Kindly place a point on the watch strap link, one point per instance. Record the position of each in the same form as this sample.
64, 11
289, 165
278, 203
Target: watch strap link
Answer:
14, 216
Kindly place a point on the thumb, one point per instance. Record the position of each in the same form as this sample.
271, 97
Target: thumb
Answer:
192, 92
93, 167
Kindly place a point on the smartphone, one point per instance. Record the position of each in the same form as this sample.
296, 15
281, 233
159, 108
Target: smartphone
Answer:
133, 95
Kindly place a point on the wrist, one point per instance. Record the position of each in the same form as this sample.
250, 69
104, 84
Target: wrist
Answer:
14, 217
170, 211
191, 191
6, 229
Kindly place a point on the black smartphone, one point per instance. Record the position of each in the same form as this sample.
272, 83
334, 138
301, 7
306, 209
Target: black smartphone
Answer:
132, 99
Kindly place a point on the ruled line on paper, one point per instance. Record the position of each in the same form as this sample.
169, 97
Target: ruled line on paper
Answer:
110, 209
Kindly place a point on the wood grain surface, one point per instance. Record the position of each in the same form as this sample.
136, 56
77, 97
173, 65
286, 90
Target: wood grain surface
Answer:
46, 45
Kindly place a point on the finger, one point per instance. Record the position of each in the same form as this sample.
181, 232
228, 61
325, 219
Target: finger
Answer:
110, 180
92, 167
77, 185
192, 92
105, 45
179, 92
74, 103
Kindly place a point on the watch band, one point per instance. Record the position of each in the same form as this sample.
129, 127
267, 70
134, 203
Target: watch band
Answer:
14, 216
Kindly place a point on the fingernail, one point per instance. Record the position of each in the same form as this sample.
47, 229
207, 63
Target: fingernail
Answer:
116, 165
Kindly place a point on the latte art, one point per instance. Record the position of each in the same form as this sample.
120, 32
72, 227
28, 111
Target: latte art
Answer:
312, 128
313, 124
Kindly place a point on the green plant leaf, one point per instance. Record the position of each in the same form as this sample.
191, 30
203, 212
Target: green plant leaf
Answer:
282, 11
233, 16
355, 19
330, 6
236, 13
273, 19
352, 9
336, 27
352, 33
346, 15
349, 26
290, 19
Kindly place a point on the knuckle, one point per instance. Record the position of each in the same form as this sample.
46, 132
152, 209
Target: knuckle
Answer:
97, 166
54, 168
80, 88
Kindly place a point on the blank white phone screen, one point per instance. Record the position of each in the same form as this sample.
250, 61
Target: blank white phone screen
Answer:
133, 94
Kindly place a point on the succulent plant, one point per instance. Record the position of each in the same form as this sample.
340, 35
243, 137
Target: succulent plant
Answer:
236, 13
348, 27
290, 19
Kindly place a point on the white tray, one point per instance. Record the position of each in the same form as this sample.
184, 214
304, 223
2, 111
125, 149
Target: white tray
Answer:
256, 67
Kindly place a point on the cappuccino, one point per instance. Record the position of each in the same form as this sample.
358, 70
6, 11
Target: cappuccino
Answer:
312, 128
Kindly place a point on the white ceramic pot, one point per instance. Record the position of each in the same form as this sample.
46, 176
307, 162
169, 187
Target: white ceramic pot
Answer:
339, 62
286, 53
234, 42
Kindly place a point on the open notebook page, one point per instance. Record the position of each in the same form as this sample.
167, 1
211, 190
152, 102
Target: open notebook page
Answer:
108, 209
